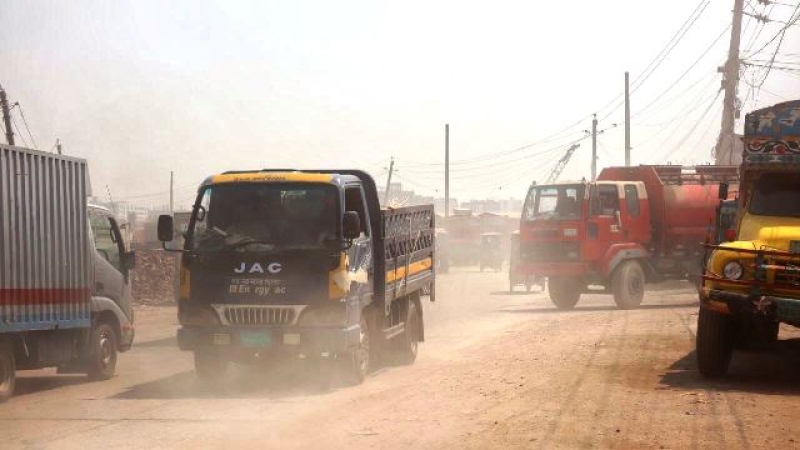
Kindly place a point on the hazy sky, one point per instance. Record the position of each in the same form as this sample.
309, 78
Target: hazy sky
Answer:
141, 88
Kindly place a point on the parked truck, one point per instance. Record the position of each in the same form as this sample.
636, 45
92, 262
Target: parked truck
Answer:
632, 226
65, 296
752, 283
303, 264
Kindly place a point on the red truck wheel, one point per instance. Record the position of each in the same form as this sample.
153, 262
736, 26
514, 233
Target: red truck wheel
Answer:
564, 291
714, 345
627, 283
7, 371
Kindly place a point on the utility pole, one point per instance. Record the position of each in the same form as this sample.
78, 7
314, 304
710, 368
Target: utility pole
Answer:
627, 121
594, 147
446, 170
171, 193
724, 152
6, 117
388, 182
58, 146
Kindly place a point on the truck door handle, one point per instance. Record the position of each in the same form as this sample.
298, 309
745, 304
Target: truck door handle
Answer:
99, 287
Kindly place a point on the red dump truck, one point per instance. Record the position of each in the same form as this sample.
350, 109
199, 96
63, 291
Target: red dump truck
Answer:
632, 226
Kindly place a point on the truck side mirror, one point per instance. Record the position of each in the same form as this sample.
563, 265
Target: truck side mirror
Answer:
351, 225
166, 229
723, 191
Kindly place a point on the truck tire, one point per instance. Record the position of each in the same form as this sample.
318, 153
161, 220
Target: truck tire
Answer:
8, 375
627, 284
102, 361
408, 343
714, 345
564, 292
357, 361
209, 365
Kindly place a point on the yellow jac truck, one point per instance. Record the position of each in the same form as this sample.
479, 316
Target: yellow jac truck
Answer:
301, 264
751, 284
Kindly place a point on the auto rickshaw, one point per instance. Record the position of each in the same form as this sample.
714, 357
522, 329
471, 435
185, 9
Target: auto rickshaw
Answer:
491, 251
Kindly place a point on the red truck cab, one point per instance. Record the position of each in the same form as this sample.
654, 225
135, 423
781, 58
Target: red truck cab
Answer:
633, 225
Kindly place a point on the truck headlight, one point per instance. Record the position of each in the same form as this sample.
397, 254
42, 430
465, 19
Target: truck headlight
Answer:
323, 317
733, 270
198, 316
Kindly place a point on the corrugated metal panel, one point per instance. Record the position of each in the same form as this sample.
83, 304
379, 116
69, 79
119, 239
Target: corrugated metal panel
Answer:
44, 241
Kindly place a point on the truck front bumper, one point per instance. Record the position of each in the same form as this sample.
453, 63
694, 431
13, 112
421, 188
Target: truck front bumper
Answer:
291, 340
556, 268
782, 309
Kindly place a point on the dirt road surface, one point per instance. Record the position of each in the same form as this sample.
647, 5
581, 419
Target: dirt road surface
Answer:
498, 370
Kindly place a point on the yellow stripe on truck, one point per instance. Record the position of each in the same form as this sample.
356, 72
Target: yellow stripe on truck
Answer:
257, 177
413, 268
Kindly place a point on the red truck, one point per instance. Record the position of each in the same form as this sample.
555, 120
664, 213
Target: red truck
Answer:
632, 226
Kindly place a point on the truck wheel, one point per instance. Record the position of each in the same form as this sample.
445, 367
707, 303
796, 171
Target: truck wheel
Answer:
714, 344
408, 343
209, 365
564, 292
357, 362
627, 283
8, 369
103, 353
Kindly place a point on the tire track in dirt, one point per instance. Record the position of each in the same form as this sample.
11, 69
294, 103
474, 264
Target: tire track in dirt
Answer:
575, 386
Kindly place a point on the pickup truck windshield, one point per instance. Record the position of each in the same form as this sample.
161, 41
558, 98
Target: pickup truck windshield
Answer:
775, 194
554, 202
265, 217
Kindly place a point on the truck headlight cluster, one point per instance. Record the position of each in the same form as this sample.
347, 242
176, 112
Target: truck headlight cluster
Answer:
733, 270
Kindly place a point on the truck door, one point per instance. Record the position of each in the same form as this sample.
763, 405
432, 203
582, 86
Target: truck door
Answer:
604, 227
360, 254
634, 217
111, 280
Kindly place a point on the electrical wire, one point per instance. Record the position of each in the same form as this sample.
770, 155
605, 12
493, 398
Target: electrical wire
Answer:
25, 122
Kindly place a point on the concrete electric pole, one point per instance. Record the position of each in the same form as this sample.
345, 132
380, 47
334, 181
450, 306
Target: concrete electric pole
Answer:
594, 147
6, 117
627, 121
724, 152
388, 183
447, 170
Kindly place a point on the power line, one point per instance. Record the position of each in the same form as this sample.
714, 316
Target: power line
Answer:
678, 80
19, 133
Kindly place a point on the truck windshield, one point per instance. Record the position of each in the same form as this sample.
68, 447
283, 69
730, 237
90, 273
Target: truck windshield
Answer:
775, 194
265, 217
553, 202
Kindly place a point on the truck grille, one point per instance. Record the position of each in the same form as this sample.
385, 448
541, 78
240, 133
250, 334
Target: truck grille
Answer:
254, 316
789, 275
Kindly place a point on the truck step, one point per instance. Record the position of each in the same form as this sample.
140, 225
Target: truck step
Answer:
394, 331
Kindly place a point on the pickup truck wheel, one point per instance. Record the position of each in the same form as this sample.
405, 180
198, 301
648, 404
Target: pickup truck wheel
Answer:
8, 374
627, 284
209, 365
408, 342
103, 353
714, 345
564, 292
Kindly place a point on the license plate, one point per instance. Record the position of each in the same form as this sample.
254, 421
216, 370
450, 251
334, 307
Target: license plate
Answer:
255, 338
794, 246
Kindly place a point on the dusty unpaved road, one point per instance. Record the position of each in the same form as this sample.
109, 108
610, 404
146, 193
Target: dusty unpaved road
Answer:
497, 371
